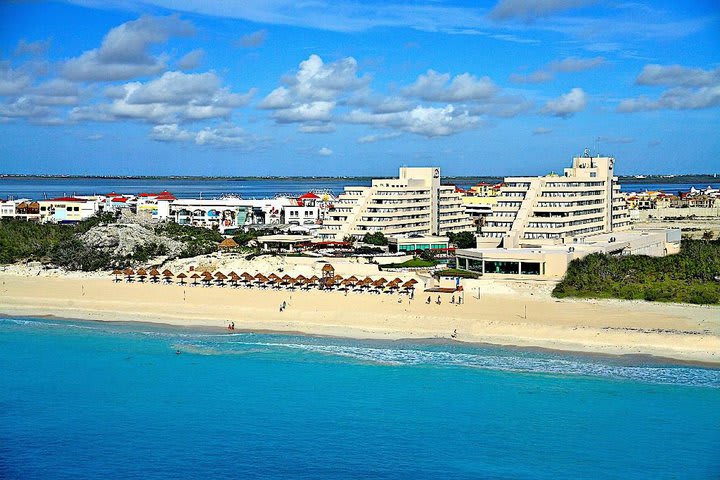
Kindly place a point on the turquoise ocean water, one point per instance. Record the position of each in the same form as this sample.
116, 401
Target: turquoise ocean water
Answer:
113, 400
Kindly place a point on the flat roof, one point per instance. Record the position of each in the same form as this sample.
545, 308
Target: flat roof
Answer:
422, 239
285, 238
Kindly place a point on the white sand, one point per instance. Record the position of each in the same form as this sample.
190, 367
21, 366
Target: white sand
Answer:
683, 332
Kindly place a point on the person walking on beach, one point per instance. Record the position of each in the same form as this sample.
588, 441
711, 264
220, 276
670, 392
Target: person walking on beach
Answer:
428, 300
438, 300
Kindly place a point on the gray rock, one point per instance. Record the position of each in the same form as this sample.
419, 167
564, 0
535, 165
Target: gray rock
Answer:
123, 239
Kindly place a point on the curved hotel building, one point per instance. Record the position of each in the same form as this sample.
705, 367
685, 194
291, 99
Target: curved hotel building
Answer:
540, 224
415, 203
585, 200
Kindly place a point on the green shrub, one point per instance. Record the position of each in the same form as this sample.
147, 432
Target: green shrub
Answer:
688, 276
375, 238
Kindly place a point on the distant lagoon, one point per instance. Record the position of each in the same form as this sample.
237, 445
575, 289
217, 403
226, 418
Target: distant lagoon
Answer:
38, 188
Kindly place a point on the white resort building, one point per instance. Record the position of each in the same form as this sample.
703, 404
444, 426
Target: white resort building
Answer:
415, 203
584, 201
540, 224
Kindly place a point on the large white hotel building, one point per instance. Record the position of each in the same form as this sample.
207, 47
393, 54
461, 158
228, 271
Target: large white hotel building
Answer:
584, 201
415, 203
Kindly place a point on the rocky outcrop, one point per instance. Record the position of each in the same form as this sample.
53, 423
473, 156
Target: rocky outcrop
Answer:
124, 239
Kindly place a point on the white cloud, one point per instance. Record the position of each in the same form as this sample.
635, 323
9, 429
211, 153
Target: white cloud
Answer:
616, 140
305, 112
38, 47
318, 128
12, 82
426, 121
566, 65
378, 137
690, 89
24, 107
542, 131
170, 133
438, 87
674, 99
174, 97
123, 53
325, 152
253, 40
678, 76
310, 96
575, 64
539, 76
533, 9
566, 105
191, 60
228, 135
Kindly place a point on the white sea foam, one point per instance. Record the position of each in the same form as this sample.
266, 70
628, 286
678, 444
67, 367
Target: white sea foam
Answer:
523, 363
497, 359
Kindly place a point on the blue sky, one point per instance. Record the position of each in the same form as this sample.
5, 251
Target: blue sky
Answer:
283, 87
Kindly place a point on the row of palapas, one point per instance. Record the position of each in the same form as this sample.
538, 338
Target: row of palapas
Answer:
259, 280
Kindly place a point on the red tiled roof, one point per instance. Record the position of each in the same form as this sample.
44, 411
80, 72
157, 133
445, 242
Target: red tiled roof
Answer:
169, 196
309, 196
120, 199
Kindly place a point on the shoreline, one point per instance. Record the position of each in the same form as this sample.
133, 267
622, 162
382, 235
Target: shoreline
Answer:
676, 332
639, 357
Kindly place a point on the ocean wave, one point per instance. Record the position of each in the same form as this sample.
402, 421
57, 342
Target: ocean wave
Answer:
510, 362
390, 354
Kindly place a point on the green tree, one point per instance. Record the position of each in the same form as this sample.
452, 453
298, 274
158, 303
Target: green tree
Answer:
375, 238
463, 239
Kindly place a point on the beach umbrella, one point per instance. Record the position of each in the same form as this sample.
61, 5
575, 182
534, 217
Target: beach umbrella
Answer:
300, 279
247, 276
273, 279
154, 274
167, 274
195, 277
260, 279
234, 278
141, 273
287, 279
408, 284
397, 280
182, 278
117, 272
129, 273
220, 277
337, 278
353, 278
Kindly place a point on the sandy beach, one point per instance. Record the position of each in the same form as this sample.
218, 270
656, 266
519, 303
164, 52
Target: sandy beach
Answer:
683, 332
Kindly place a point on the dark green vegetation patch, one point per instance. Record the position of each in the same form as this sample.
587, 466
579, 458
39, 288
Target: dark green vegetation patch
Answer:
691, 276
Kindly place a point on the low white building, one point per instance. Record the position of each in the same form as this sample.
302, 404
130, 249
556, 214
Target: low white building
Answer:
551, 261
67, 209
